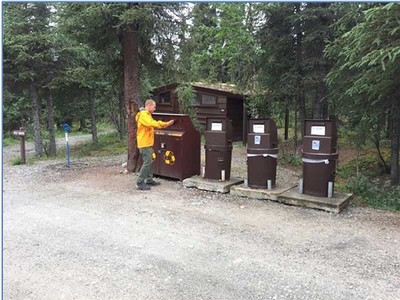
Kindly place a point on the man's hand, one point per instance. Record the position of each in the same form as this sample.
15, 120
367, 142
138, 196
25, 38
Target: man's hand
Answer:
171, 122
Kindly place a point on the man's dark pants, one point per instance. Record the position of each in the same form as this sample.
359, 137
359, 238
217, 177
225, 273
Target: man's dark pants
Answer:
145, 171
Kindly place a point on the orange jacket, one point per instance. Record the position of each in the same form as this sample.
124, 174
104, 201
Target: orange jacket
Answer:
145, 128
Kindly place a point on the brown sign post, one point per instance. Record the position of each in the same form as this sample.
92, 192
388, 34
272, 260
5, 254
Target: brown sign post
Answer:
21, 134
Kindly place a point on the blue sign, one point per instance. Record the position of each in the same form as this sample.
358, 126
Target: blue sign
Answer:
67, 128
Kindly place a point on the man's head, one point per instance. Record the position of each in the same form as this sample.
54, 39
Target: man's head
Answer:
150, 105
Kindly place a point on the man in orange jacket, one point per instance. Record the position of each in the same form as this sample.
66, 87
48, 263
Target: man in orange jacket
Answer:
145, 142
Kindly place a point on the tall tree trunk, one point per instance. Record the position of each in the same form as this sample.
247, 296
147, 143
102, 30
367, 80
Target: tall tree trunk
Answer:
286, 123
121, 117
299, 64
82, 124
50, 124
395, 144
320, 103
325, 18
376, 140
95, 139
302, 111
130, 49
296, 121
388, 125
36, 121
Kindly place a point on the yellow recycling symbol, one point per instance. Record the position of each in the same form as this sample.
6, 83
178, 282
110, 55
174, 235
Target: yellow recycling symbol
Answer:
169, 157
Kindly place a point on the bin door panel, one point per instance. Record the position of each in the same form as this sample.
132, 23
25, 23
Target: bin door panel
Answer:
260, 141
170, 157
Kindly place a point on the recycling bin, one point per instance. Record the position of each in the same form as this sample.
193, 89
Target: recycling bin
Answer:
262, 153
319, 157
176, 148
218, 148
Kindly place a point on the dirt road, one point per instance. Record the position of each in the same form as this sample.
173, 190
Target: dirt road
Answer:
87, 233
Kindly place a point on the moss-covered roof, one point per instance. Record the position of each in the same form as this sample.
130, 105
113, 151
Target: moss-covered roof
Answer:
224, 87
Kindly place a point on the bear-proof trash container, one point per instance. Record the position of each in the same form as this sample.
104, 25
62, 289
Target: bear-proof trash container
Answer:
262, 153
176, 148
319, 156
218, 148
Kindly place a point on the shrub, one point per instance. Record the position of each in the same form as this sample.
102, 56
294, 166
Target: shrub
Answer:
16, 161
292, 159
375, 193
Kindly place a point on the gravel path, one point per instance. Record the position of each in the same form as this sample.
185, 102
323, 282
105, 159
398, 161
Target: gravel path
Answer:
87, 233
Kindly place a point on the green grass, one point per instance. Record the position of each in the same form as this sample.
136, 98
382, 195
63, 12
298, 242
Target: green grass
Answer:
108, 144
16, 161
10, 140
292, 160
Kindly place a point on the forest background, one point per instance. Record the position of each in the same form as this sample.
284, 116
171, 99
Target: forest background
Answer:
96, 62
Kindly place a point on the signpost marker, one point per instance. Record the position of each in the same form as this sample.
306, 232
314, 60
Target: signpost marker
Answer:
21, 134
67, 129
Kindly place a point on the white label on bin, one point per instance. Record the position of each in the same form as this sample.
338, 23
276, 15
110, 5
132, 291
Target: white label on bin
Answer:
216, 126
315, 145
318, 130
257, 139
258, 128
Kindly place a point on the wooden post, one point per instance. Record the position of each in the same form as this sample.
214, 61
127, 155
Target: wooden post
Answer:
21, 134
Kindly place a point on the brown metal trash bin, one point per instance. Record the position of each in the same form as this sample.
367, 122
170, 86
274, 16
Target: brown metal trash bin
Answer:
218, 146
176, 148
319, 157
262, 153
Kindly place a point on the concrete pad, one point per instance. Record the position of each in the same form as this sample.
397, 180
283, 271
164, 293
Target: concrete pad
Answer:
210, 184
335, 204
263, 194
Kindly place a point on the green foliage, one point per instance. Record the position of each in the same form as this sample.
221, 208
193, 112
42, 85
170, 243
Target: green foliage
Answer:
9, 140
278, 72
366, 164
292, 159
288, 154
16, 161
222, 44
16, 110
271, 51
375, 193
258, 105
364, 81
108, 144
186, 94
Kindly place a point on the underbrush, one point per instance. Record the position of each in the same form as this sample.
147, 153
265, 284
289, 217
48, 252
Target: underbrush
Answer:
16, 161
366, 178
288, 155
374, 192
108, 144
10, 140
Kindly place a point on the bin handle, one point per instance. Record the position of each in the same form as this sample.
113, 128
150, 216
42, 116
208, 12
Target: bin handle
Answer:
315, 161
264, 155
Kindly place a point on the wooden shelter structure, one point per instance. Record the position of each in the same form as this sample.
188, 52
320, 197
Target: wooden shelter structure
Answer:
211, 100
